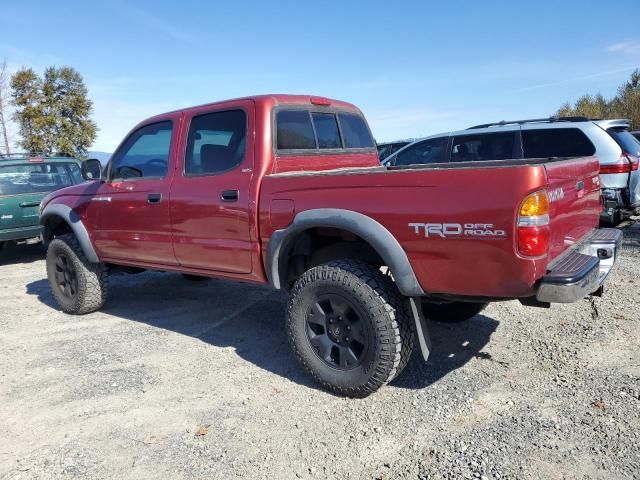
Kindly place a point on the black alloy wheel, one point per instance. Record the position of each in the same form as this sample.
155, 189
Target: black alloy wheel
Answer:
336, 332
66, 277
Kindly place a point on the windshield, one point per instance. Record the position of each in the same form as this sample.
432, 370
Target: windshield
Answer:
626, 140
37, 177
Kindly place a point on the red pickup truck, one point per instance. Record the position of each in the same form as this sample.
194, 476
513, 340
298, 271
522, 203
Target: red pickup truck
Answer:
288, 190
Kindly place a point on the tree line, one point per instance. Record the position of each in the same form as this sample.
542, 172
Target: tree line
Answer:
625, 104
52, 111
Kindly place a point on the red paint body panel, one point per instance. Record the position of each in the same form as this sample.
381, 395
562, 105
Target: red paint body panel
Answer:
194, 231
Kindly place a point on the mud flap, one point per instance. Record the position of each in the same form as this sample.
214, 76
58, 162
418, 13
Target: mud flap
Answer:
421, 327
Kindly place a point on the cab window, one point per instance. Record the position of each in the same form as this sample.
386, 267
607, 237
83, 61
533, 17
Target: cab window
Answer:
423, 153
216, 142
556, 142
145, 154
302, 129
481, 147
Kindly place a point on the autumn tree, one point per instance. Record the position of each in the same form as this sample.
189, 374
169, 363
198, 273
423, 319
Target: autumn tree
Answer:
53, 112
626, 104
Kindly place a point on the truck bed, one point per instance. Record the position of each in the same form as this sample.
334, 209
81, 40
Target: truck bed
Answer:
466, 194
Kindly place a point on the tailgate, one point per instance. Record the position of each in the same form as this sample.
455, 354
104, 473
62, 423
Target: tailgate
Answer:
19, 210
573, 187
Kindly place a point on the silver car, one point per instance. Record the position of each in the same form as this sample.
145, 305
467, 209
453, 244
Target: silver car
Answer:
609, 140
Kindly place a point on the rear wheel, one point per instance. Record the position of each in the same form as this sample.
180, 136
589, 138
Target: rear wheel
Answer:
451, 312
344, 325
78, 285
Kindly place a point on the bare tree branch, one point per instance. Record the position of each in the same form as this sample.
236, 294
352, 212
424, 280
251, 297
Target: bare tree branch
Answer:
3, 104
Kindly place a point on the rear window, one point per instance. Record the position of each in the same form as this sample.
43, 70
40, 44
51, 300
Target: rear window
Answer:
327, 130
305, 130
479, 147
626, 140
557, 142
355, 131
295, 131
37, 177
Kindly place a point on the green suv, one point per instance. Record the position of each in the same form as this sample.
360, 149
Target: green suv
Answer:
24, 181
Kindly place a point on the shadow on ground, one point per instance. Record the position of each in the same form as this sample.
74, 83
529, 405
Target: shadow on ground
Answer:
631, 239
251, 319
13, 254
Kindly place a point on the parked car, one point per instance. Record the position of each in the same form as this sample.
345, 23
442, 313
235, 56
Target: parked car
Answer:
609, 140
24, 180
386, 149
285, 190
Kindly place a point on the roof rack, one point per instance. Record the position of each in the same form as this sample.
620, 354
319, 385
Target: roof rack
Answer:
18, 155
533, 120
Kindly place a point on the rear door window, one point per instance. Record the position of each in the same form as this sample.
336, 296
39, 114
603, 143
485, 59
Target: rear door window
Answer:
216, 142
556, 142
481, 147
626, 140
423, 153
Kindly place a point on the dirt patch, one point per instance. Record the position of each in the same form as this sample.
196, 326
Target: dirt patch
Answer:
175, 379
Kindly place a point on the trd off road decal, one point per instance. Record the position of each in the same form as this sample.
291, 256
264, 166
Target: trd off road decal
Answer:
458, 230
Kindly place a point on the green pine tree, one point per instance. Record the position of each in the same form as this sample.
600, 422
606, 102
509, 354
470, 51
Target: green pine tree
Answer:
53, 113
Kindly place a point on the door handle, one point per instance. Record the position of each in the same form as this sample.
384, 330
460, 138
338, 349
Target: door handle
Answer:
29, 204
230, 196
154, 198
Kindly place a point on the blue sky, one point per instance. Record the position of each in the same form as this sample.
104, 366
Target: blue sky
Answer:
414, 68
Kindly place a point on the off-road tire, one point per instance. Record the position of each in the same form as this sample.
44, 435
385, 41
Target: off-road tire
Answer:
383, 308
451, 312
91, 291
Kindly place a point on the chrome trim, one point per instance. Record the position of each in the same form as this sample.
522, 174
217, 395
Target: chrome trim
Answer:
603, 244
534, 221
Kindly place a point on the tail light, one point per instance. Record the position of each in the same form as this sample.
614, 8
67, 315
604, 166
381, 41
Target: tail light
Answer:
629, 164
533, 225
320, 101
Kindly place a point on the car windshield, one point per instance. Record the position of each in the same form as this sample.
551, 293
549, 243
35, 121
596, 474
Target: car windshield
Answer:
626, 140
37, 177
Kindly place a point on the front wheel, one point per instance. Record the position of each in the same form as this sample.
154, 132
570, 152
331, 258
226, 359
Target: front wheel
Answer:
451, 312
78, 285
344, 325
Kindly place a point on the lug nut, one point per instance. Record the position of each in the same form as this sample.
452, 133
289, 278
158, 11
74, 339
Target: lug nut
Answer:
346, 339
348, 327
331, 320
340, 318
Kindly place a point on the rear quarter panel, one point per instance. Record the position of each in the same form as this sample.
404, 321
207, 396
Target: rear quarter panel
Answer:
573, 211
455, 264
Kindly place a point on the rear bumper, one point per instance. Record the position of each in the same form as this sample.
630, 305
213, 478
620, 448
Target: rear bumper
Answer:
583, 269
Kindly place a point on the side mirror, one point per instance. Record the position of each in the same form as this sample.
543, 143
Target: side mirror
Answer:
92, 169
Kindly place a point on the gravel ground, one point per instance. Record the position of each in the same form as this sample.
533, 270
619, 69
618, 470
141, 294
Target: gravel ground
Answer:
175, 379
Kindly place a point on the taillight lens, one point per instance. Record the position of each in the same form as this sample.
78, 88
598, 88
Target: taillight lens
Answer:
629, 164
533, 241
533, 225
